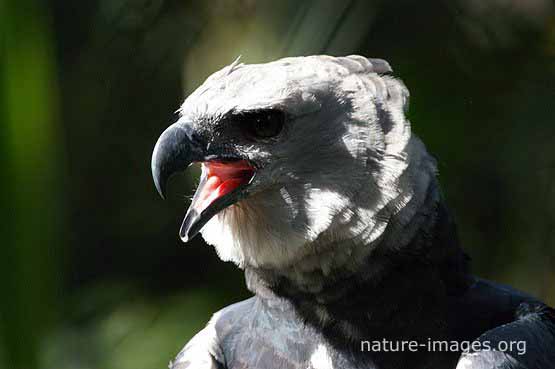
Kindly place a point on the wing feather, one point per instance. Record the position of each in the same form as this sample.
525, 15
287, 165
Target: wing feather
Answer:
202, 351
526, 343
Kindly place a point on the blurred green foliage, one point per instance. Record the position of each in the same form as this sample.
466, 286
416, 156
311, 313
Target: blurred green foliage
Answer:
92, 272
31, 192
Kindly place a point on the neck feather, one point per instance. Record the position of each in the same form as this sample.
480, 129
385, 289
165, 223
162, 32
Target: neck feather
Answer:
397, 287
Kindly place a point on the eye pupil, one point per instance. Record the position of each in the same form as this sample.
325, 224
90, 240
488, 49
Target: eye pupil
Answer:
263, 124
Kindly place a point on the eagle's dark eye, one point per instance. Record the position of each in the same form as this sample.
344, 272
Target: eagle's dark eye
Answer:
263, 123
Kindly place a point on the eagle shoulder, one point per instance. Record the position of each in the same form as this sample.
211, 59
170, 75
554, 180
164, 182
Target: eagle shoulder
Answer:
205, 350
202, 351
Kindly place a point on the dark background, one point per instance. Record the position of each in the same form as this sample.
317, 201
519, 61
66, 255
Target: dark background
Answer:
93, 274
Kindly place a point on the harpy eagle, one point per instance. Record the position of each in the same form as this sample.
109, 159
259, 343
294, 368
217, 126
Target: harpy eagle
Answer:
314, 185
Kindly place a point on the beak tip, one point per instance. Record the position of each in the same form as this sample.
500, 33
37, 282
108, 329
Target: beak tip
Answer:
162, 195
160, 189
185, 236
159, 181
189, 228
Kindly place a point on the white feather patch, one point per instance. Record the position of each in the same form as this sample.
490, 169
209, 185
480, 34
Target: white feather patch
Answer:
320, 359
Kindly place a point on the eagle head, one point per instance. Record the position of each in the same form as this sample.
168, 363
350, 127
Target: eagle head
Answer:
298, 156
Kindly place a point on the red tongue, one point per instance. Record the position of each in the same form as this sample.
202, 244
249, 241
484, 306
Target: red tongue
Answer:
222, 178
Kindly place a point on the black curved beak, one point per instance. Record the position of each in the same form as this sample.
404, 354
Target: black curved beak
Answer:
176, 149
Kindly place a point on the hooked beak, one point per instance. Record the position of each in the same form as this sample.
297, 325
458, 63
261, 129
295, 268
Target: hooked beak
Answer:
224, 179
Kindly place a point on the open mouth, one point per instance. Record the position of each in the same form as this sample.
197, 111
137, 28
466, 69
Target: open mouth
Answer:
222, 184
225, 178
